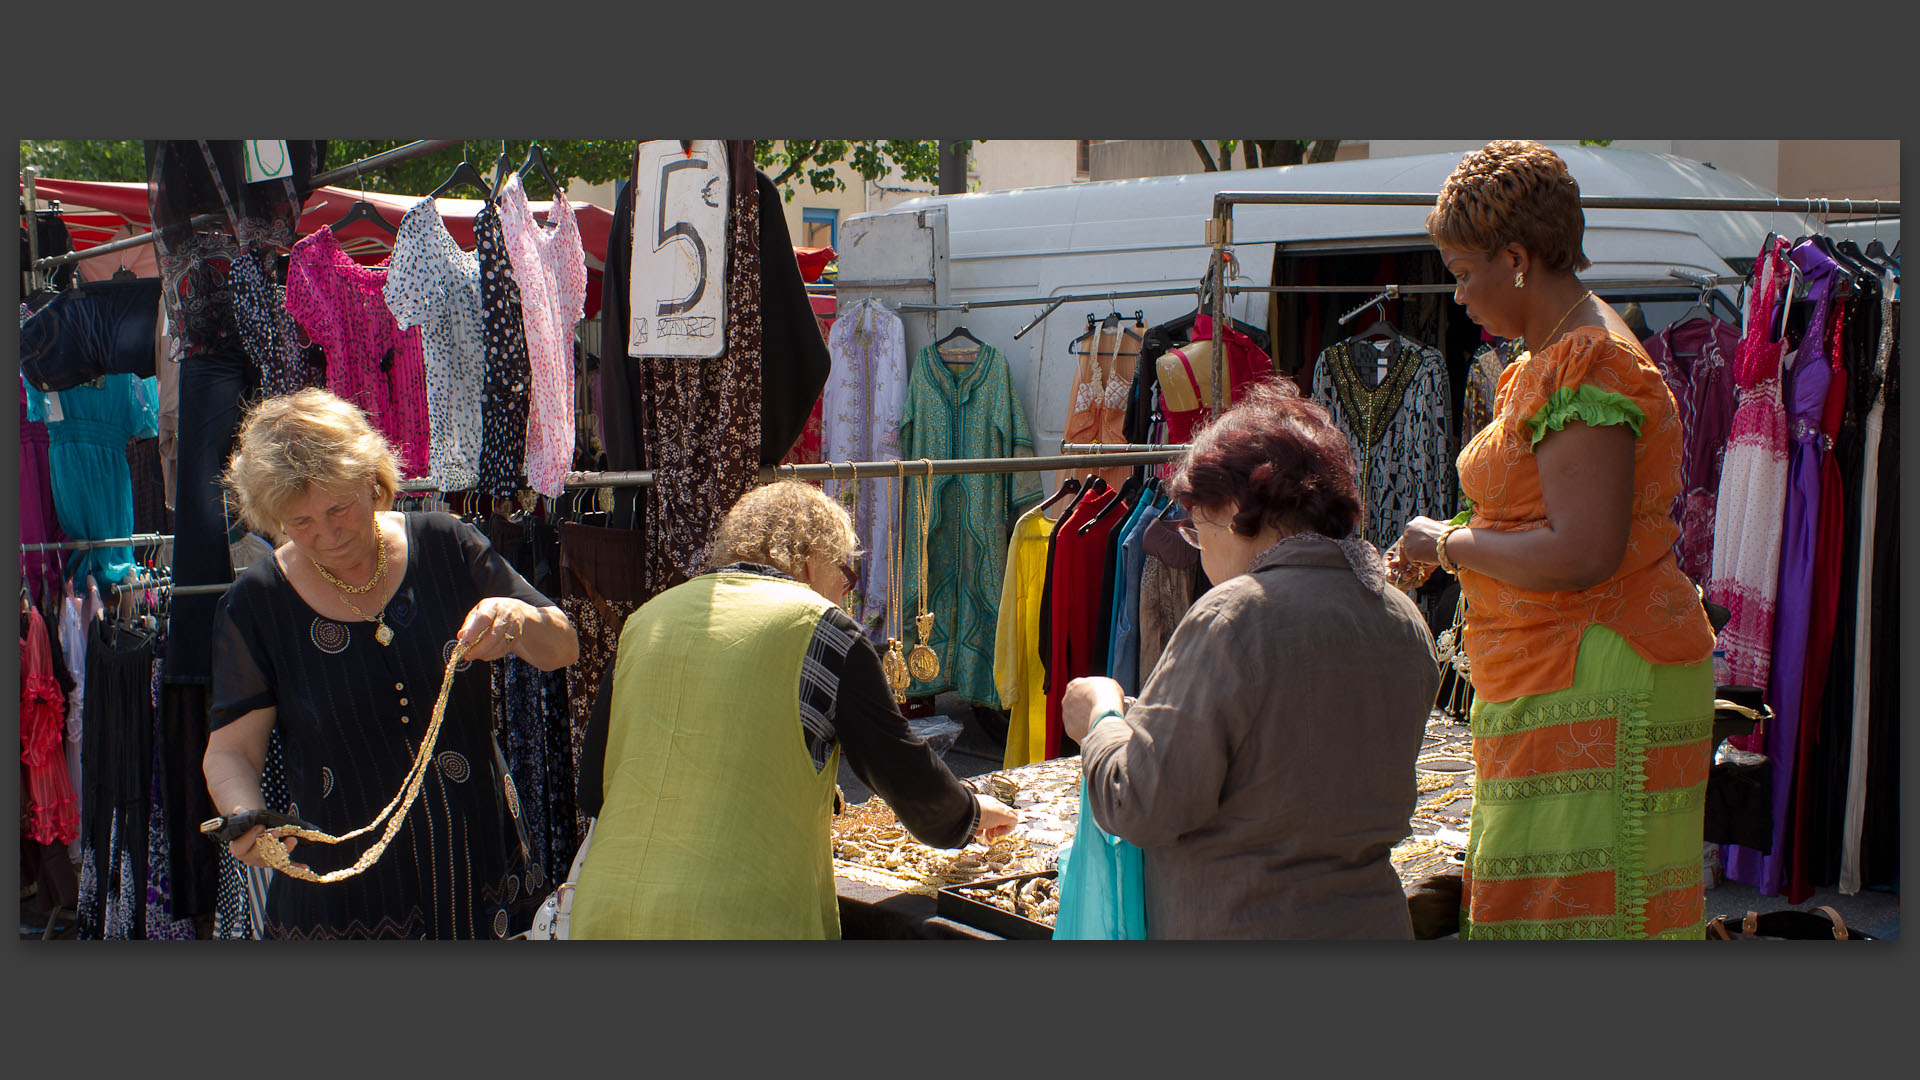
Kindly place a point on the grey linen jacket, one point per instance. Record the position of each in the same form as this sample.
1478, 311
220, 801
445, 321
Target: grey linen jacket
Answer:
1268, 767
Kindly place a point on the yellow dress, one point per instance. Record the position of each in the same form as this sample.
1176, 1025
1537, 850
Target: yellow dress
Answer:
1017, 673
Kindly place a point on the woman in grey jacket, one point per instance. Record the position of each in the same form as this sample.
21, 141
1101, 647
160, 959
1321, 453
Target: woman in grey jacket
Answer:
1267, 768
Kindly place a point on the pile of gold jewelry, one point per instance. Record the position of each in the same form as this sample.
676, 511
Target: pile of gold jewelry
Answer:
869, 836
1036, 898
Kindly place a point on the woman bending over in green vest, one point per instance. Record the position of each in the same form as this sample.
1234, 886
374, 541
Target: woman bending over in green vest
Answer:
732, 698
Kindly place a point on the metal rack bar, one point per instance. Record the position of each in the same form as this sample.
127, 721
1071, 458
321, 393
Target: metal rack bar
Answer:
386, 157
142, 540
1123, 448
1224, 200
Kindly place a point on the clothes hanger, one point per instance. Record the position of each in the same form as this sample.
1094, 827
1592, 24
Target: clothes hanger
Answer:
362, 210
959, 332
1091, 484
1127, 490
535, 156
464, 173
500, 166
1070, 485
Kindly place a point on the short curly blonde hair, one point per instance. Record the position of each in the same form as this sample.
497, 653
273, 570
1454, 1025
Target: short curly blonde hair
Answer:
1512, 191
784, 525
293, 441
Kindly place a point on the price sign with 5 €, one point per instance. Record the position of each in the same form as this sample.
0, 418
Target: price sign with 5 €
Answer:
678, 298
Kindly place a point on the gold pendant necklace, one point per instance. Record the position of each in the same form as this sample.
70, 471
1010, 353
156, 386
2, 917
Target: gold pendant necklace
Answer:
892, 663
923, 661
382, 633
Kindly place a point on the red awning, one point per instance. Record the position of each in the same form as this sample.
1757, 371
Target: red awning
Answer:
813, 262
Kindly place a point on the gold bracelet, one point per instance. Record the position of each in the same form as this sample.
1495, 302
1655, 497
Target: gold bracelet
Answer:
1440, 550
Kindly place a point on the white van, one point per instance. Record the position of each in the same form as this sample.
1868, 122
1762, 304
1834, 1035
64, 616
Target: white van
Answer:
1150, 233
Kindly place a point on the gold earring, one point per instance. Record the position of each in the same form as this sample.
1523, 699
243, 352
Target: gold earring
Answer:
1519, 279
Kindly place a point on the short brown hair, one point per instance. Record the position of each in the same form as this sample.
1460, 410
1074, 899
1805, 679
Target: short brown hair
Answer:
289, 442
1512, 192
1280, 458
784, 525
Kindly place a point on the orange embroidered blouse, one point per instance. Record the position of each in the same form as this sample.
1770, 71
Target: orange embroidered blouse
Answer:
1525, 642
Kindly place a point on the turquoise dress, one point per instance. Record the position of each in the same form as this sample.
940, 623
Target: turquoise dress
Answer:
88, 428
972, 414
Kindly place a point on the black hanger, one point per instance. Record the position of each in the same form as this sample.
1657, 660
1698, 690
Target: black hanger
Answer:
1127, 491
124, 274
464, 173
535, 156
500, 166
957, 332
1069, 485
362, 210
1092, 483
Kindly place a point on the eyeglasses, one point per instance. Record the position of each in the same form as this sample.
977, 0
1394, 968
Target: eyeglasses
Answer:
1187, 530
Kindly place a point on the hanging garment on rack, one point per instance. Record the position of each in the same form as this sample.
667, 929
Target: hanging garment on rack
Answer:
862, 404
1399, 424
1482, 385
194, 863
1245, 363
77, 613
1017, 672
602, 581
1867, 664
435, 286
166, 373
117, 751
214, 386
972, 414
1102, 383
507, 377
150, 512
241, 906
550, 265
1753, 484
1879, 832
703, 419
1078, 562
1171, 579
1696, 359
531, 710
370, 361
1804, 394
162, 921
1123, 654
39, 520
87, 431
104, 328
1143, 411
267, 329
53, 812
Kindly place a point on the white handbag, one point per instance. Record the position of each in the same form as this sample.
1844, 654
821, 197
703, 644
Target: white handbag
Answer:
556, 911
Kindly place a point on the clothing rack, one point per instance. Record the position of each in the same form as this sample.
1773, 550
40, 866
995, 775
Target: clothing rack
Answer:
1110, 449
1219, 231
142, 540
386, 157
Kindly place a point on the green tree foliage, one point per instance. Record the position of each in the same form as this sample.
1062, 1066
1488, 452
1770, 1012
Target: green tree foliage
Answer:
789, 162
86, 159
1264, 153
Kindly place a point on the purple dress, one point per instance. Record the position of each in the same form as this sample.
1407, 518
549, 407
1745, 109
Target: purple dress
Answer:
1696, 358
1806, 397
39, 570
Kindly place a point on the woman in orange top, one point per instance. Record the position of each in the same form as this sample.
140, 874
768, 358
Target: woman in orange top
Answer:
1590, 649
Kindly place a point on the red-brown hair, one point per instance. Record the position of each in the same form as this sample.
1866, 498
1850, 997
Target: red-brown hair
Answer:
1280, 458
1512, 192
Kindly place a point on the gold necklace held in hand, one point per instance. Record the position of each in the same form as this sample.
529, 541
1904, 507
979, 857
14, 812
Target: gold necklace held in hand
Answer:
274, 853
892, 663
923, 661
382, 633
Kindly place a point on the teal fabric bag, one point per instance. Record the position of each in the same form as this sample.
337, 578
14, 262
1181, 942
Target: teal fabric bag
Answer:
1102, 885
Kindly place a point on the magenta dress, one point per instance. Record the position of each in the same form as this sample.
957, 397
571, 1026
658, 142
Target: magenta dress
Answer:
343, 307
39, 524
1805, 397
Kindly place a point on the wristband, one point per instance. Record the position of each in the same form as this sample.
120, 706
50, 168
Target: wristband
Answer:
1110, 714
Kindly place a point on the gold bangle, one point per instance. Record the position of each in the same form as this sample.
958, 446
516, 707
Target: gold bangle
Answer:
1440, 550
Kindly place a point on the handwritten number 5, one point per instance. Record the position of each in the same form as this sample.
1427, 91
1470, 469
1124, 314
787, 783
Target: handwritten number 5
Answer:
681, 231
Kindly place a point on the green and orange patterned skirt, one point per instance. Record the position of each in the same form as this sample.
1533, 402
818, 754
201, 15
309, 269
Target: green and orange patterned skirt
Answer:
1589, 803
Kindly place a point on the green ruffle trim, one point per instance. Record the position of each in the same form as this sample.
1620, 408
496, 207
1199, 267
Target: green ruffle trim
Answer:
1590, 404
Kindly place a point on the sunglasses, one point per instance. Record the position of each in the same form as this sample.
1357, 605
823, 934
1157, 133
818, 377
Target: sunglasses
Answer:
846, 571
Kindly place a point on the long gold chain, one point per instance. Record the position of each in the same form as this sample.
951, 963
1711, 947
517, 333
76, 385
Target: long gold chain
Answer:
892, 662
274, 853
923, 661
1548, 340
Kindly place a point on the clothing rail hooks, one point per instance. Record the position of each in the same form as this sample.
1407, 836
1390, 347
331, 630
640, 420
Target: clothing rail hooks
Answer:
385, 157
1392, 293
142, 540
